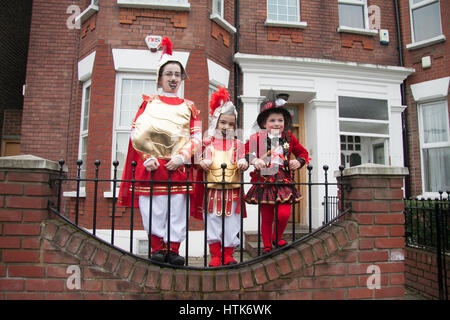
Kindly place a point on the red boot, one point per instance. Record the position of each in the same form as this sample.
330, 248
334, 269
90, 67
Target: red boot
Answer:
216, 255
228, 256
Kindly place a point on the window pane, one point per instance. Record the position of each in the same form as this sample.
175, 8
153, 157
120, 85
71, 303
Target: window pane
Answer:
361, 108
131, 98
84, 159
351, 15
218, 7
282, 10
87, 102
122, 139
434, 118
437, 169
427, 22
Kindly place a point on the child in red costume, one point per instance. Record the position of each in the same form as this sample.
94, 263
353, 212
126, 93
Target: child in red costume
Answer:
269, 151
165, 134
221, 147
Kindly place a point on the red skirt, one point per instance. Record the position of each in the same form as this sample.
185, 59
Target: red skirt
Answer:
283, 192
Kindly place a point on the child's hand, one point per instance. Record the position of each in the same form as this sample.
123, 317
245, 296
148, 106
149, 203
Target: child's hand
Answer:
174, 163
205, 164
242, 165
259, 164
294, 164
151, 164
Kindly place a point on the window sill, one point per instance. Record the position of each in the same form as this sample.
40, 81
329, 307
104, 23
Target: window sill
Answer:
73, 194
366, 32
86, 14
109, 194
425, 43
153, 4
274, 23
222, 22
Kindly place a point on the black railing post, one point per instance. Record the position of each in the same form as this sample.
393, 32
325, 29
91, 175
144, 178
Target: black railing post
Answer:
188, 167
309, 167
241, 232
276, 213
293, 204
223, 166
61, 165
325, 168
77, 199
259, 211
133, 165
113, 214
438, 249
94, 222
205, 198
150, 214
169, 189
341, 187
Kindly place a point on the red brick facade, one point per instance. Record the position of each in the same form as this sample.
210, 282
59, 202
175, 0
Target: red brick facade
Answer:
440, 67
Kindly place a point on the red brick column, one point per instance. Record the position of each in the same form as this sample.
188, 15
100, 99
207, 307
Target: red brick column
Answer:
376, 202
24, 194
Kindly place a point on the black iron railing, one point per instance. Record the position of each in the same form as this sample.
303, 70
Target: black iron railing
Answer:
339, 210
427, 227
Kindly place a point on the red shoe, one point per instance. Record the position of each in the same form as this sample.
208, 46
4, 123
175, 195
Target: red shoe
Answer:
216, 254
228, 256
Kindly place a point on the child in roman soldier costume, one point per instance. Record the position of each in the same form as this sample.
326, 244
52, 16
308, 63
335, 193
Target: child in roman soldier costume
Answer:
165, 134
269, 151
222, 147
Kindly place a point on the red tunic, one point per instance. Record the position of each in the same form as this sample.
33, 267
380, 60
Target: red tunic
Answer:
161, 174
256, 147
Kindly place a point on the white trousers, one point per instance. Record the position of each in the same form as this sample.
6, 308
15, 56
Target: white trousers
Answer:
160, 210
232, 227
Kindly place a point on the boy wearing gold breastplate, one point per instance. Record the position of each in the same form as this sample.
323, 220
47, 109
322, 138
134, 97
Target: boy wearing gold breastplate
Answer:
165, 134
221, 147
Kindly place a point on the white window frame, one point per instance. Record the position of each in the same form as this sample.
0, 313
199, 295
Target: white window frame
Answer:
83, 134
366, 30
218, 16
423, 145
426, 42
182, 5
288, 24
117, 128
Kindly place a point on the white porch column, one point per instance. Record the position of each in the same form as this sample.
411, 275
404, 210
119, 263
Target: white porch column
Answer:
396, 136
323, 140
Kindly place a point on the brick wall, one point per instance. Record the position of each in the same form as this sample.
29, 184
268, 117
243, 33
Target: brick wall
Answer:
52, 56
320, 38
421, 272
440, 67
37, 248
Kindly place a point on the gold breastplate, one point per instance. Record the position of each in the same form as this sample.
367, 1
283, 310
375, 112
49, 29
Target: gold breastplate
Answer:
162, 129
215, 171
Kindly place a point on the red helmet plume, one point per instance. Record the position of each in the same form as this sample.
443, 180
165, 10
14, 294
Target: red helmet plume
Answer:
218, 98
167, 46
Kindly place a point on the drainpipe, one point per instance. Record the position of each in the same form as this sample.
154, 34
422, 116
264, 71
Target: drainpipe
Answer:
236, 66
404, 115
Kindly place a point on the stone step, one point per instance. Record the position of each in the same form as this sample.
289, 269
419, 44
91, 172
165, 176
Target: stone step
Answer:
251, 238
